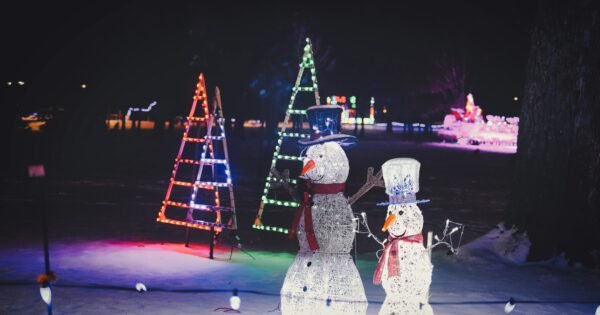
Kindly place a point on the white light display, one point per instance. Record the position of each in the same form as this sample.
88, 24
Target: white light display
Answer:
136, 109
404, 268
307, 64
325, 280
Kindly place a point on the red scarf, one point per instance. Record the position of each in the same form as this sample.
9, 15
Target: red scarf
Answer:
306, 208
392, 258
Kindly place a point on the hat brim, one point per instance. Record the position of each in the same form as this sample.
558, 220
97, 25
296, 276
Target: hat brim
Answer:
345, 141
403, 202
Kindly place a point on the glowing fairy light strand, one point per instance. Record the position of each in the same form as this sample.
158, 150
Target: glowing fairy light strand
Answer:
214, 121
306, 63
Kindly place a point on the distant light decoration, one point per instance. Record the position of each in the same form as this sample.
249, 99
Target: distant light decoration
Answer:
84, 86
469, 127
372, 110
135, 109
472, 111
350, 113
307, 64
404, 269
9, 83
211, 122
33, 117
515, 98
21, 83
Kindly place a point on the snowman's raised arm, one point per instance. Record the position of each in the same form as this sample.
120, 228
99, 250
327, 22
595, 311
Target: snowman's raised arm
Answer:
371, 181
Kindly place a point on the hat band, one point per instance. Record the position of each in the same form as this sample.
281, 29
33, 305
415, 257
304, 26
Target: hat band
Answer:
315, 135
403, 198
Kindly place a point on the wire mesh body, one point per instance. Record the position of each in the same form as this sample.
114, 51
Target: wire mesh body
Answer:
325, 281
407, 291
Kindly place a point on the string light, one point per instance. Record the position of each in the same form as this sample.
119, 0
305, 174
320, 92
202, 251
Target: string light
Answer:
214, 121
307, 62
372, 110
294, 135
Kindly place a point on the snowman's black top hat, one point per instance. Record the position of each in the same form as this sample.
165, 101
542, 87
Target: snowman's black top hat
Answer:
325, 125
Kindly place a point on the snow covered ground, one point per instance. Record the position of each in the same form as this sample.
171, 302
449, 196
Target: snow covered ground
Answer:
99, 277
104, 237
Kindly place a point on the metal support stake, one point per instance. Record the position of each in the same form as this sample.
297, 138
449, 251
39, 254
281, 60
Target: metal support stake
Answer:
187, 236
212, 242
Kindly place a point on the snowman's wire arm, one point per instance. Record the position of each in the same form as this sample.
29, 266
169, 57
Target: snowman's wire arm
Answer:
370, 234
447, 237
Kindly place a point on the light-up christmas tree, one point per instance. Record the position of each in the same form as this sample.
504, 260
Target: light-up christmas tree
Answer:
268, 199
193, 197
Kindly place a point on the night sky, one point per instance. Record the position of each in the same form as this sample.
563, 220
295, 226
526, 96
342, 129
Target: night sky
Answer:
132, 52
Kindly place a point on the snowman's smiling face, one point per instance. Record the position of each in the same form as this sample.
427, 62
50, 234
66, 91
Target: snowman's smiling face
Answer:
325, 164
404, 220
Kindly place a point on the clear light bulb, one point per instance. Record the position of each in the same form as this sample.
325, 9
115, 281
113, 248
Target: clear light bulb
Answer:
46, 294
509, 306
235, 301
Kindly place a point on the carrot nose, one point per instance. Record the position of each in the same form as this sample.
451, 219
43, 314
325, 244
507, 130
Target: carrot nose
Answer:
307, 167
389, 221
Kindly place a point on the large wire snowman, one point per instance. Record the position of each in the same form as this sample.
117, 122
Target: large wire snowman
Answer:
323, 278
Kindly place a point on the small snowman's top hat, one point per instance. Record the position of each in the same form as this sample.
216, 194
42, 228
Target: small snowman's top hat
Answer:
401, 177
325, 126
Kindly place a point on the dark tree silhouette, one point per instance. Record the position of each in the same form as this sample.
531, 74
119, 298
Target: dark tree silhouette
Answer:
556, 197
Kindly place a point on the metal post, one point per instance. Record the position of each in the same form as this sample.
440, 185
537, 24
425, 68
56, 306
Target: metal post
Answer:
212, 242
187, 236
45, 236
36, 173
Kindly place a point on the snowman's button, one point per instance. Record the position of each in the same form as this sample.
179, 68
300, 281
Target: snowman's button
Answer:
308, 264
304, 289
